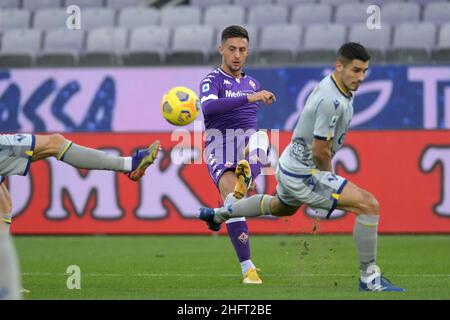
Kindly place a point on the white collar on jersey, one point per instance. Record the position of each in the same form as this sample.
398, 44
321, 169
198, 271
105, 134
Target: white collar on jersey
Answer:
229, 76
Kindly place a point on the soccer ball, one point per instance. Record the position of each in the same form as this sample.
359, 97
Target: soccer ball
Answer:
180, 106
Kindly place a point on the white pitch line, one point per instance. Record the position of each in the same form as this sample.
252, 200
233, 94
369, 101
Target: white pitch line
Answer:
194, 275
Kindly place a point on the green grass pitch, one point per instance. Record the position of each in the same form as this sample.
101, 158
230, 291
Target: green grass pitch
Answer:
205, 267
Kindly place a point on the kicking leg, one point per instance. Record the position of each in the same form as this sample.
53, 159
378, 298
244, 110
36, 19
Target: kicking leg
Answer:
57, 146
254, 206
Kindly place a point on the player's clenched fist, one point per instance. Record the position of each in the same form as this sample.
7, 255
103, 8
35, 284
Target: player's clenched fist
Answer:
265, 96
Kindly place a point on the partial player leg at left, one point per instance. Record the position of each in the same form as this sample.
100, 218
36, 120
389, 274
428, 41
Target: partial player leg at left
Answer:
9, 266
19, 150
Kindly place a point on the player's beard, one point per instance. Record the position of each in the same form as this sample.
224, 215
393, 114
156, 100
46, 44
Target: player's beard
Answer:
351, 85
355, 86
235, 68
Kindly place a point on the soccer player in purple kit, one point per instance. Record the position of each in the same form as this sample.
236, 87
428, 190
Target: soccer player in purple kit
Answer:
229, 100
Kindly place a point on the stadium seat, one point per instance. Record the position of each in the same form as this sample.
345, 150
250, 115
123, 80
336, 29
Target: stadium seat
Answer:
34, 5
223, 16
279, 44
292, 3
306, 14
322, 42
437, 12
208, 3
253, 33
64, 39
19, 47
61, 48
412, 43
121, 4
351, 13
97, 18
9, 4
14, 19
191, 45
257, 15
50, 18
135, 17
251, 3
380, 3
337, 2
377, 41
84, 3
442, 52
103, 47
148, 46
423, 2
398, 12
180, 15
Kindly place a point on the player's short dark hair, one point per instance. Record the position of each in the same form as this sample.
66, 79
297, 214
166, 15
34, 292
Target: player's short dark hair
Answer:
234, 32
353, 51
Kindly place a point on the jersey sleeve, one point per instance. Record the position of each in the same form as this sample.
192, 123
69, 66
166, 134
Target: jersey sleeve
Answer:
210, 101
209, 90
327, 115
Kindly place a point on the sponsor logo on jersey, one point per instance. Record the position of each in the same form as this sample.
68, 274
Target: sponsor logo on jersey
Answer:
297, 147
226, 82
231, 94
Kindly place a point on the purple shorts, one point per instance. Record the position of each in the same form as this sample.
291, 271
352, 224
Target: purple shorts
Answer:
217, 168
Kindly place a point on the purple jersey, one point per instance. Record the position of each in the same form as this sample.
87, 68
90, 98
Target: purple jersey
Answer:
229, 120
219, 85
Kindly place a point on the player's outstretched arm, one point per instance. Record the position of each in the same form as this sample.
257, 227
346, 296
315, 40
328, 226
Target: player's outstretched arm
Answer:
321, 154
264, 96
212, 105
221, 105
